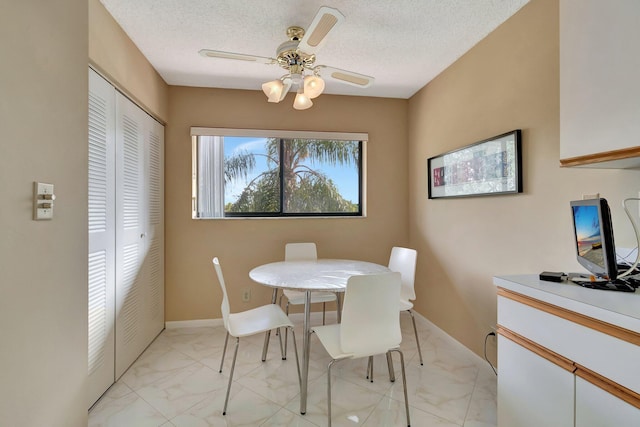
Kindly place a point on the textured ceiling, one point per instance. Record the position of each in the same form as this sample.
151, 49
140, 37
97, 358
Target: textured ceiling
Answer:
402, 43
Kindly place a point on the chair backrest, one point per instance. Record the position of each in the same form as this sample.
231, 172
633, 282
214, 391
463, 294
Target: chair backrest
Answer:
403, 260
370, 317
300, 252
225, 308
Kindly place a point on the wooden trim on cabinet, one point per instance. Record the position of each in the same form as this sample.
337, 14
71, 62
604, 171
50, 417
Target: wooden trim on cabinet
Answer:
589, 322
604, 383
536, 348
621, 392
605, 156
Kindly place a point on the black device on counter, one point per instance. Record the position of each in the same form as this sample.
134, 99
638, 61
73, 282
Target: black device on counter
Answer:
552, 276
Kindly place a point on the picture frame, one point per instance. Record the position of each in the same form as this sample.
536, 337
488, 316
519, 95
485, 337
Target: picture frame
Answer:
486, 168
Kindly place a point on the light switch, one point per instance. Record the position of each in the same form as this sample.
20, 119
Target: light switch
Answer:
43, 198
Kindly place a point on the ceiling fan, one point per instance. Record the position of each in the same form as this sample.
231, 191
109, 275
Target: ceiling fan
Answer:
297, 56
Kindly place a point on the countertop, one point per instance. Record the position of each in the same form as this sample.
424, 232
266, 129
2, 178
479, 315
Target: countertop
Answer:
617, 308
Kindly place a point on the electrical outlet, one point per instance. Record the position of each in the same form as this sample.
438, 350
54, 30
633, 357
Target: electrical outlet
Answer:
246, 294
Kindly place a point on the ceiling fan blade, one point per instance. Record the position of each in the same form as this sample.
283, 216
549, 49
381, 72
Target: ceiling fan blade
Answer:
326, 20
344, 76
237, 56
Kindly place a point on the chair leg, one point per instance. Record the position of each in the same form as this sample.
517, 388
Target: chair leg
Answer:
324, 307
370, 369
282, 352
295, 348
329, 391
415, 331
286, 333
233, 366
404, 385
265, 347
280, 304
224, 350
392, 374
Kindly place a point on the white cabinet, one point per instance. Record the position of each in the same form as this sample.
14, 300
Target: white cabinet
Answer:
528, 382
126, 241
596, 407
567, 356
599, 85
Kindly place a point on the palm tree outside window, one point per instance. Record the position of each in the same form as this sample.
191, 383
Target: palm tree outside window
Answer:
315, 174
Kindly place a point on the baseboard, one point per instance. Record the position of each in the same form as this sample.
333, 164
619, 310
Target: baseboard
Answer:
175, 324
432, 326
316, 317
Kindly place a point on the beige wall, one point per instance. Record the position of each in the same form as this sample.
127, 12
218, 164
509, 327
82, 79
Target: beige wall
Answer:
508, 81
43, 264
192, 291
114, 55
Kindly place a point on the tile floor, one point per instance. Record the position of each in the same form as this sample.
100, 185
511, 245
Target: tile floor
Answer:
175, 382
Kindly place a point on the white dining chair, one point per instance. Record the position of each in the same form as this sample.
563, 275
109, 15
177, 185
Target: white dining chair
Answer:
305, 252
403, 260
370, 325
249, 322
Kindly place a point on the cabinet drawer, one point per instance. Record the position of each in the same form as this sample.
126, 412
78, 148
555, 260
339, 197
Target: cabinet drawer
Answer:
609, 356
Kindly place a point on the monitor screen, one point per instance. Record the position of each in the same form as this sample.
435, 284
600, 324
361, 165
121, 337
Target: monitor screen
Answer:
595, 246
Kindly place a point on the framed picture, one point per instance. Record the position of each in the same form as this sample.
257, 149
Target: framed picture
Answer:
489, 167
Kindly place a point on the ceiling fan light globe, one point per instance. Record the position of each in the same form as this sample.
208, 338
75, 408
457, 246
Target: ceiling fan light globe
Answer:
302, 102
313, 86
273, 90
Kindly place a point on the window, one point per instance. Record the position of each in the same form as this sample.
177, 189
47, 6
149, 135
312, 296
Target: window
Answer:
250, 173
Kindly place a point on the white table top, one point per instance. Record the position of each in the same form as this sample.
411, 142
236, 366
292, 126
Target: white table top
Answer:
319, 275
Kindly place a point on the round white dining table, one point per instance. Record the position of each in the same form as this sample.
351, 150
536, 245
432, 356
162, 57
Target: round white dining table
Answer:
319, 275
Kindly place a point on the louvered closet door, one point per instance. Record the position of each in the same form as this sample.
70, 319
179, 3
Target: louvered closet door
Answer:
154, 239
139, 231
101, 217
130, 233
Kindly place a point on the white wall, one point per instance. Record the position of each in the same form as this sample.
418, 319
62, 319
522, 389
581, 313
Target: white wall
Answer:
43, 265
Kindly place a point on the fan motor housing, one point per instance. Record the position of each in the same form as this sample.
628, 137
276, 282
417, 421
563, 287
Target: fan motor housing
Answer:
288, 54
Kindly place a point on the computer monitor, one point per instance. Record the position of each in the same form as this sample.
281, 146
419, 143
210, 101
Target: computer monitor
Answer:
595, 247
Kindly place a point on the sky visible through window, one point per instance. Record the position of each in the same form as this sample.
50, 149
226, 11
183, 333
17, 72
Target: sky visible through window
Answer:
345, 178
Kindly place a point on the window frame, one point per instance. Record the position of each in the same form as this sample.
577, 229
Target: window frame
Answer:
282, 135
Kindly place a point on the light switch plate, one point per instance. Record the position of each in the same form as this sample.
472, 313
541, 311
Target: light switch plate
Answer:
43, 198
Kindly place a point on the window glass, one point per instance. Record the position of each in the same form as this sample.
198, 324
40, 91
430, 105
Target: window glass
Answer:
253, 176
320, 176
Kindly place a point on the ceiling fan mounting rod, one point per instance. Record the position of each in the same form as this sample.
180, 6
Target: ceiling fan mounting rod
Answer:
295, 33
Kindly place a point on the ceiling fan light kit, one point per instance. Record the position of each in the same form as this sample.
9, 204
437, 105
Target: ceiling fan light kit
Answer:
313, 86
302, 101
273, 90
297, 56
